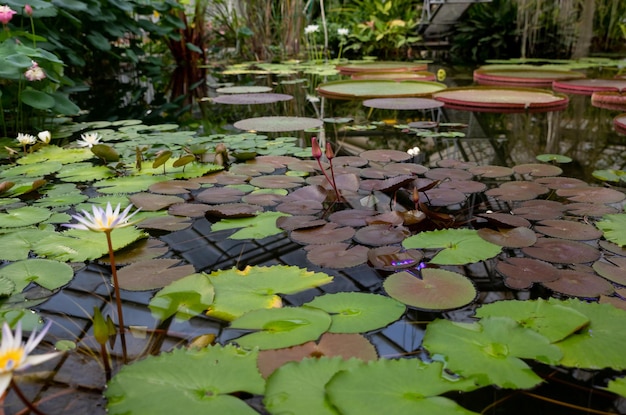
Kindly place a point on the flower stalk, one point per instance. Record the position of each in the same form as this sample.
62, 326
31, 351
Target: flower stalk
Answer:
317, 154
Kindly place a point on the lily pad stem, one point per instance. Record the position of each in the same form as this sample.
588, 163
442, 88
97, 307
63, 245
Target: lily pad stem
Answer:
118, 299
25, 400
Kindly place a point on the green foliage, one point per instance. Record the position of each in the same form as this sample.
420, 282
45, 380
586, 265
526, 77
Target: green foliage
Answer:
487, 31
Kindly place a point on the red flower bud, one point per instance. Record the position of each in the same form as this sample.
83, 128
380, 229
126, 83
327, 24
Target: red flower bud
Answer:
315, 148
329, 152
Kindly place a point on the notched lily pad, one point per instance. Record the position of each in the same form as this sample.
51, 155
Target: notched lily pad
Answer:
613, 269
567, 229
337, 255
431, 289
328, 233
521, 273
377, 235
151, 202
233, 210
579, 284
152, 274
561, 251
510, 238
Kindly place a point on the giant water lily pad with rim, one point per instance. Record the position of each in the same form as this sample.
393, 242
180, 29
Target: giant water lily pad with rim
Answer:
523, 76
369, 89
501, 99
587, 86
380, 66
251, 98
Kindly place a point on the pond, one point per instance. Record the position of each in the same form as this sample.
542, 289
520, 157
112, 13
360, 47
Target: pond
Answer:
471, 276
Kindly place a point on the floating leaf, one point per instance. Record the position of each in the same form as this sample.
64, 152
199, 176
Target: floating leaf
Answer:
237, 292
281, 327
32, 170
358, 312
614, 228
44, 272
199, 380
617, 386
553, 320
399, 387
556, 158
460, 246
17, 245
184, 298
491, 351
152, 273
23, 216
128, 184
257, 227
433, 289
298, 387
599, 344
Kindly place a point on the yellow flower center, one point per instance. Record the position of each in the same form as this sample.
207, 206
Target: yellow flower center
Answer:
11, 359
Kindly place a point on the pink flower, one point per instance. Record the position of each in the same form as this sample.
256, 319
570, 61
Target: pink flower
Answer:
35, 73
6, 14
28, 10
315, 148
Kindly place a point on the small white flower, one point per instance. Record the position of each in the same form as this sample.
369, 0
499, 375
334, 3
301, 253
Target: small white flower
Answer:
414, 151
343, 32
312, 99
45, 136
103, 220
14, 355
26, 139
88, 140
312, 28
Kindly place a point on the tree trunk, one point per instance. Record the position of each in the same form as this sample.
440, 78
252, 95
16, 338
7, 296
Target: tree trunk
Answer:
585, 32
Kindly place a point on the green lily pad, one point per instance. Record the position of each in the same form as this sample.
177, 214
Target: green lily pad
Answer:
17, 245
128, 184
32, 170
185, 298
617, 386
239, 291
399, 387
60, 201
84, 172
599, 344
614, 228
7, 287
44, 272
79, 245
434, 289
460, 246
257, 227
281, 327
610, 175
57, 154
23, 216
551, 319
556, 158
201, 381
277, 124
298, 387
358, 312
491, 351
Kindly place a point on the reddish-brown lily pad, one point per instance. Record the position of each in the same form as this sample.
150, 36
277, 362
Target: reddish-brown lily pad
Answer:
345, 345
292, 223
537, 169
165, 223
465, 186
388, 185
252, 169
337, 255
141, 250
510, 238
233, 210
151, 202
433, 289
152, 274
540, 210
517, 191
396, 76
609, 100
189, 210
491, 172
219, 195
613, 269
443, 173
500, 99
560, 182
352, 217
263, 198
443, 197
278, 124
562, 251
325, 234
579, 284
591, 194
251, 98
174, 187
277, 182
505, 220
567, 229
300, 207
394, 258
612, 247
405, 168
619, 123
385, 156
377, 235
522, 273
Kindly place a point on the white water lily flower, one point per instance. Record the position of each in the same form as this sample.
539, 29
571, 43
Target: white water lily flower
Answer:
312, 28
26, 139
45, 136
88, 140
14, 355
343, 32
103, 220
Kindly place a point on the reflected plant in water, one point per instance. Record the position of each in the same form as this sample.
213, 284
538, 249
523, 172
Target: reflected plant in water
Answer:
106, 220
14, 356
